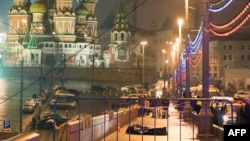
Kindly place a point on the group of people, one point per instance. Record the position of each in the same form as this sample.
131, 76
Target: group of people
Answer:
218, 109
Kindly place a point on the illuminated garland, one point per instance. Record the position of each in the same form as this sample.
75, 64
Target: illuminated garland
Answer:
195, 60
195, 45
183, 62
194, 55
218, 2
232, 21
232, 30
221, 8
193, 48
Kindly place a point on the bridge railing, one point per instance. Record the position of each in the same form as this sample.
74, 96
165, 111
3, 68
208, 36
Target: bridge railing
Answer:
107, 115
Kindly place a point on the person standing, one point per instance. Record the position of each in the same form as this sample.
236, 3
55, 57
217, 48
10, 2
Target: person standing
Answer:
198, 105
181, 105
243, 114
166, 103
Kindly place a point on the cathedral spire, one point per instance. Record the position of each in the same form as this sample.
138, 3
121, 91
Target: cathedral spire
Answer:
120, 18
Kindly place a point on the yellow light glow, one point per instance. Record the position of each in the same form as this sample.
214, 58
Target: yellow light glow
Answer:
180, 22
144, 43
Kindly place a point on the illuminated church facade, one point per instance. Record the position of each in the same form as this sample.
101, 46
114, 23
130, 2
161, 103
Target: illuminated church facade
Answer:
53, 32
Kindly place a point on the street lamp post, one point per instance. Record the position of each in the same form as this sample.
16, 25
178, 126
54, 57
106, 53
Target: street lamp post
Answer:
165, 77
93, 69
21, 99
63, 79
205, 115
41, 70
143, 43
188, 114
165, 72
179, 84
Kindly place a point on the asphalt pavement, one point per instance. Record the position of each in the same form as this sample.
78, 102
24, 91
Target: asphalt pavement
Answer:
178, 129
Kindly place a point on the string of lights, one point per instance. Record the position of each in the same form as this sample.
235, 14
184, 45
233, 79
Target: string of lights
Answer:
227, 25
195, 60
194, 46
233, 29
225, 5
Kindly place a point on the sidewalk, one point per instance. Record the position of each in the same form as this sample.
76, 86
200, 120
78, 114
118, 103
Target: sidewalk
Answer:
185, 132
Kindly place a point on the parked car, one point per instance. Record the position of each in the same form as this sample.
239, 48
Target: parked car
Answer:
63, 102
242, 94
47, 121
31, 101
133, 98
111, 89
27, 108
63, 93
97, 88
74, 91
128, 90
43, 97
56, 87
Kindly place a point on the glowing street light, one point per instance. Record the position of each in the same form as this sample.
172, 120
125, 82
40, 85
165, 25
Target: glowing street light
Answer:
143, 43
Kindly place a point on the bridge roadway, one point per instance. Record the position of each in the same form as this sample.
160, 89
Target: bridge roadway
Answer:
178, 129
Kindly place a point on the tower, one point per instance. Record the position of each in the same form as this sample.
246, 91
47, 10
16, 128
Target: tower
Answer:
64, 21
51, 30
119, 49
19, 19
38, 10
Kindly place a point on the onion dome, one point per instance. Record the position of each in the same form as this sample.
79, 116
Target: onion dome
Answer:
81, 10
19, 3
38, 7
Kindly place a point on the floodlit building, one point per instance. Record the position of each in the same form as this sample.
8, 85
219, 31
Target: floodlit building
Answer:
52, 31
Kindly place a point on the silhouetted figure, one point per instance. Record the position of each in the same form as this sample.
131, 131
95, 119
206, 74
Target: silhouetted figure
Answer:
198, 105
33, 125
181, 105
243, 114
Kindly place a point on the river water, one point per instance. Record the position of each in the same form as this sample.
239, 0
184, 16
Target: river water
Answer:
10, 95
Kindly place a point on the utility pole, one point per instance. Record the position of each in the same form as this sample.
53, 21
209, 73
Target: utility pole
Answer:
188, 114
205, 115
187, 50
143, 43
63, 76
92, 73
41, 70
21, 100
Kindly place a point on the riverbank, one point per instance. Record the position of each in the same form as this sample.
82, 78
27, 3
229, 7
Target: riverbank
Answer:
132, 75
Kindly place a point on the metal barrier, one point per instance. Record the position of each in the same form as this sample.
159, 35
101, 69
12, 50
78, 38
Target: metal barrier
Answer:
108, 118
143, 119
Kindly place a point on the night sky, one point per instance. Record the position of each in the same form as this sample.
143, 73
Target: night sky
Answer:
163, 13
152, 11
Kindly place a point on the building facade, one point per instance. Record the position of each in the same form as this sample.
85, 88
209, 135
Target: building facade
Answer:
52, 32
